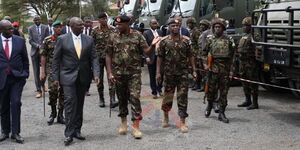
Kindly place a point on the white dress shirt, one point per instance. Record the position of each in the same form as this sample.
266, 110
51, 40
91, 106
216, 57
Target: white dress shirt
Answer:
9, 44
50, 28
75, 37
155, 34
86, 30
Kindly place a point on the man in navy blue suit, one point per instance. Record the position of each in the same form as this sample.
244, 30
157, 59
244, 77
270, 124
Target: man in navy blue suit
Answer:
14, 69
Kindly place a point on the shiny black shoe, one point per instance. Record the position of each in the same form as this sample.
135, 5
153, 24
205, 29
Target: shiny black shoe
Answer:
3, 137
78, 136
18, 138
68, 141
101, 102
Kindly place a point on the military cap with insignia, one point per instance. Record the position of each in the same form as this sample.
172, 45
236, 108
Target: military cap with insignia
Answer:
172, 21
56, 23
122, 19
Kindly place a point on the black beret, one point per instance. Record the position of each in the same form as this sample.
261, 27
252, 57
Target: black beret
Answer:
102, 15
122, 19
172, 21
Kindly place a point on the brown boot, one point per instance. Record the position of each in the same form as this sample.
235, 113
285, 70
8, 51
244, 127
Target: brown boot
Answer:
123, 127
137, 134
165, 122
183, 127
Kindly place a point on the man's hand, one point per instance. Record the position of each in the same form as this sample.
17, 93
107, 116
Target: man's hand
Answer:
158, 77
97, 80
42, 76
231, 75
195, 75
148, 60
156, 40
111, 78
56, 83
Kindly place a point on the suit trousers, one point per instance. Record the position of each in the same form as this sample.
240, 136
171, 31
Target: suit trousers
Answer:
152, 74
73, 104
10, 101
36, 60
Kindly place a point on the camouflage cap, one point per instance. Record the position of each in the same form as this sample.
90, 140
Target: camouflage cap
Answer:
122, 19
191, 20
220, 21
204, 22
56, 23
172, 21
247, 21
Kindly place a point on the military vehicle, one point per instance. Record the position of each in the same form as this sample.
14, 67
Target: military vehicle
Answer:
130, 7
278, 27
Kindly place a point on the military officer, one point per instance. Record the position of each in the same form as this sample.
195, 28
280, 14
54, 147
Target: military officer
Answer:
221, 48
176, 54
123, 67
55, 92
101, 35
248, 66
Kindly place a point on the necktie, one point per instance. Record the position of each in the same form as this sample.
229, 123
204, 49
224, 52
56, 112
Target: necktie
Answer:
78, 47
6, 49
39, 34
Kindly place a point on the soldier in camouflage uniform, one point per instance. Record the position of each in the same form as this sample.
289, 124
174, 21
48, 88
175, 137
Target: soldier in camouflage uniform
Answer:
176, 54
101, 35
46, 65
123, 63
221, 48
248, 66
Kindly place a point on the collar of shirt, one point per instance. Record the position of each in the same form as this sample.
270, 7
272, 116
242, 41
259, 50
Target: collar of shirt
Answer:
9, 43
154, 32
75, 37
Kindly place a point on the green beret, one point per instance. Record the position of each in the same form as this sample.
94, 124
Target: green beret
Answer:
56, 23
122, 19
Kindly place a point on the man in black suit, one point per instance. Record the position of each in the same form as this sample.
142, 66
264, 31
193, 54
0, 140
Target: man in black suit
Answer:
74, 56
37, 34
151, 60
66, 29
14, 69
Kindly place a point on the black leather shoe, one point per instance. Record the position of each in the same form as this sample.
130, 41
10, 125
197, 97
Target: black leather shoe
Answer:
18, 138
3, 137
78, 136
68, 141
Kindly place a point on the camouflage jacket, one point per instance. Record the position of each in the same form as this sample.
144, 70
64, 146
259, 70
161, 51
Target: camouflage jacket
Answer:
101, 38
222, 50
194, 35
126, 51
47, 50
175, 54
246, 49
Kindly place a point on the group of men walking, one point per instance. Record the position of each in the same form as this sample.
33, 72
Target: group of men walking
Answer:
71, 55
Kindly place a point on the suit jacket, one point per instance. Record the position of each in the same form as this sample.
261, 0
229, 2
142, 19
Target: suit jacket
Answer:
149, 38
89, 31
66, 65
64, 29
34, 39
18, 62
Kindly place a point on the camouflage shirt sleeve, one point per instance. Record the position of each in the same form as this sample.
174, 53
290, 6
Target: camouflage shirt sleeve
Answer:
161, 50
43, 49
189, 51
143, 42
110, 47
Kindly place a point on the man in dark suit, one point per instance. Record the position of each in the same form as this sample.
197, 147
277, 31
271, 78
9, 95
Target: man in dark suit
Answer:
37, 34
14, 69
66, 28
74, 56
151, 60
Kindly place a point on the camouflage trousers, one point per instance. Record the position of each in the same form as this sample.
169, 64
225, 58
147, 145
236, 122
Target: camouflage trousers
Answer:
218, 83
200, 74
181, 83
128, 88
54, 94
100, 87
249, 72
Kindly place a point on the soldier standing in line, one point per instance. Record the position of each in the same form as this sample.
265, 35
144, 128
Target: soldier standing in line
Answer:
248, 66
123, 63
176, 54
55, 92
101, 35
221, 48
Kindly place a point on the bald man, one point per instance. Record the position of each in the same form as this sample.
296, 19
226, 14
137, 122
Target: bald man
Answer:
14, 70
74, 56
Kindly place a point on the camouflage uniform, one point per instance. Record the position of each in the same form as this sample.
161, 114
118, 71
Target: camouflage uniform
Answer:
125, 50
101, 38
175, 54
55, 93
248, 66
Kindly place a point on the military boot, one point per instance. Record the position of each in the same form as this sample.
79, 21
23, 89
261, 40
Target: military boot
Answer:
183, 127
247, 102
123, 127
208, 109
60, 117
137, 134
222, 116
201, 87
196, 86
216, 107
165, 122
113, 102
101, 100
52, 115
254, 104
